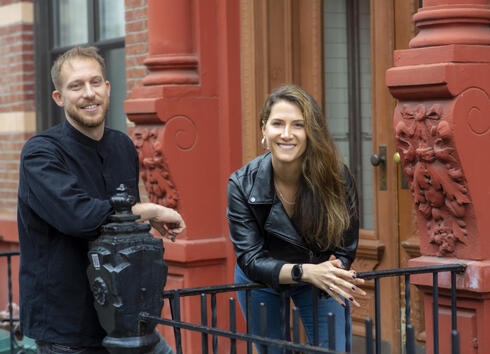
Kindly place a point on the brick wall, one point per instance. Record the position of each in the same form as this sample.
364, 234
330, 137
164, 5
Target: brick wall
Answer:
136, 51
136, 42
17, 117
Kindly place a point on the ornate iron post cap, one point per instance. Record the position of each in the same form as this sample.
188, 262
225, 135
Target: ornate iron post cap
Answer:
127, 274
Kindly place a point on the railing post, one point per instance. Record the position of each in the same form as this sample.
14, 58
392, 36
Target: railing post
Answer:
331, 330
204, 322
348, 329
263, 325
127, 274
377, 318
214, 322
232, 324
11, 322
369, 335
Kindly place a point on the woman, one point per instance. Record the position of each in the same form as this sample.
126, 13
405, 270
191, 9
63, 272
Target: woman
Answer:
293, 217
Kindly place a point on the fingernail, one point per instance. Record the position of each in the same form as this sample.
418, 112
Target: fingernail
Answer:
354, 276
351, 299
354, 288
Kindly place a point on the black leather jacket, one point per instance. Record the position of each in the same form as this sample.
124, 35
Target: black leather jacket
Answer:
262, 233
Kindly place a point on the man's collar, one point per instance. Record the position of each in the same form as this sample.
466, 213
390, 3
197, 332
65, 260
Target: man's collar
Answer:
74, 133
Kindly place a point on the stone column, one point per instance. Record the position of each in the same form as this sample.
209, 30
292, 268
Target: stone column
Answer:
442, 129
187, 132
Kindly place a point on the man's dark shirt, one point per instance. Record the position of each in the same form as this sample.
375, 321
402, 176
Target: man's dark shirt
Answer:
66, 179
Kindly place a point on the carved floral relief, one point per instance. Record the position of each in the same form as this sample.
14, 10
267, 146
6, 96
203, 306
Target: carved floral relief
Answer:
154, 169
436, 179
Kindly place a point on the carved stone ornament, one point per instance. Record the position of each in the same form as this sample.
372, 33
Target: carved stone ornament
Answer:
434, 172
154, 170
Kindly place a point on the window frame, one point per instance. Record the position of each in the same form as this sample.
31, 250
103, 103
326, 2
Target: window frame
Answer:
47, 112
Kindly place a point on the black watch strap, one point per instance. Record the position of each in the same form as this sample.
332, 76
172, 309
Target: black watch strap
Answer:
297, 272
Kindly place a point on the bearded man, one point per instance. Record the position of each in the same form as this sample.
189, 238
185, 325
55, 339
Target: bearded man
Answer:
67, 175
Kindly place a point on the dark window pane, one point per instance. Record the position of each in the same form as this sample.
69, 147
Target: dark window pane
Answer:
70, 22
111, 19
116, 74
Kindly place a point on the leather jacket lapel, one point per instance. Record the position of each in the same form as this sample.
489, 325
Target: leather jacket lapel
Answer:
262, 190
278, 222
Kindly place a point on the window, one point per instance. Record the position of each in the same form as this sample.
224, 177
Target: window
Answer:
63, 24
347, 67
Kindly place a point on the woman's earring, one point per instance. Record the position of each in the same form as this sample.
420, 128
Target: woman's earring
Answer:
262, 142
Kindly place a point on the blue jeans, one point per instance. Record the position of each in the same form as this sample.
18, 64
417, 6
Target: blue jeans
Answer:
302, 298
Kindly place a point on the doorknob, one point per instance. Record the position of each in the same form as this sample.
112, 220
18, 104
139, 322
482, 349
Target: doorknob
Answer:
396, 158
379, 160
376, 159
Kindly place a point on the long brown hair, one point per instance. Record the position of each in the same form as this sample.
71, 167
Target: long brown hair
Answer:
321, 210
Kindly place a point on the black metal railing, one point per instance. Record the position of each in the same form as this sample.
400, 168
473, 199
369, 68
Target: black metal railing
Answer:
9, 256
264, 342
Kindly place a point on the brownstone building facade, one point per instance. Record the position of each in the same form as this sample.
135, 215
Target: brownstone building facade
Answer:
191, 75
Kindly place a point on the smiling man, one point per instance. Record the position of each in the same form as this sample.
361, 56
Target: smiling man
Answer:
67, 175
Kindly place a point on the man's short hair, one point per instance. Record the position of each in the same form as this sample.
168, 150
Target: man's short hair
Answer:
76, 52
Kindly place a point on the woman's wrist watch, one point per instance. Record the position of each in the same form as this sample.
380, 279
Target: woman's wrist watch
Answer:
297, 272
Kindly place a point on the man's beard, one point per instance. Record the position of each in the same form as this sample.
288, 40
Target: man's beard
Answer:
74, 114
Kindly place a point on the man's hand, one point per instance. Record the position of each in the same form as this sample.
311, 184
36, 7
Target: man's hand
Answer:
166, 221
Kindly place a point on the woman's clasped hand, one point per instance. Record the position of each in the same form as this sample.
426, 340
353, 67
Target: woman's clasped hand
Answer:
337, 282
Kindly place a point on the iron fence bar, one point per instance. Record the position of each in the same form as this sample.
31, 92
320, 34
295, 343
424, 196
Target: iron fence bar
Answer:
204, 322
369, 335
9, 253
305, 348
407, 315
314, 293
213, 289
232, 324
175, 310
377, 315
263, 325
348, 329
214, 322
414, 270
331, 330
11, 314
248, 306
407, 299
435, 311
410, 340
283, 306
454, 321
455, 342
295, 325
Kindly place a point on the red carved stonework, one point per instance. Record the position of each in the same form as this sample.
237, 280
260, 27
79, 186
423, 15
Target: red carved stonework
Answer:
432, 167
442, 128
153, 167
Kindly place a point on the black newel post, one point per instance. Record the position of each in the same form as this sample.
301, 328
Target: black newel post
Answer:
127, 275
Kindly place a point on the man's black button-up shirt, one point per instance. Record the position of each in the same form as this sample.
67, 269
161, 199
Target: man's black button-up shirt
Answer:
66, 180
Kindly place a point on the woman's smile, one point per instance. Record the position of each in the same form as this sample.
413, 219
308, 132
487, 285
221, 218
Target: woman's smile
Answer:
284, 132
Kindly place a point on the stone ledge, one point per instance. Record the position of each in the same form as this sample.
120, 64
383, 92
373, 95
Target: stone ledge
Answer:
476, 278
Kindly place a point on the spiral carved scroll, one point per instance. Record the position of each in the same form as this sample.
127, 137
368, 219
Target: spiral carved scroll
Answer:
434, 172
154, 169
